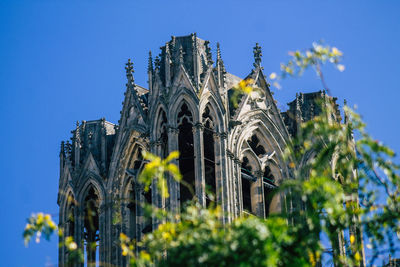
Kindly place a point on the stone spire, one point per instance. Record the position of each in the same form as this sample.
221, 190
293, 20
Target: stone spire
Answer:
208, 53
181, 59
195, 58
129, 71
257, 56
157, 64
77, 145
220, 68
150, 63
62, 157
150, 72
131, 89
62, 150
167, 65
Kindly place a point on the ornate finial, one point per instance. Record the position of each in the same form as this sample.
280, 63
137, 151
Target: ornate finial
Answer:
150, 63
129, 67
157, 63
173, 41
181, 55
208, 53
77, 132
297, 101
218, 52
194, 41
68, 148
62, 150
167, 49
257, 55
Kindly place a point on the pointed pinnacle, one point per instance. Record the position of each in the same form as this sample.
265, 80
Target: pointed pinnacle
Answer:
129, 67
257, 55
181, 55
157, 63
150, 64
218, 52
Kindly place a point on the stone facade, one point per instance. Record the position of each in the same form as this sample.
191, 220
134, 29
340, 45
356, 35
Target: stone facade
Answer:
231, 154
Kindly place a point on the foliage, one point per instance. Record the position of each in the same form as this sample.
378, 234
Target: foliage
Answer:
314, 57
156, 169
41, 223
242, 88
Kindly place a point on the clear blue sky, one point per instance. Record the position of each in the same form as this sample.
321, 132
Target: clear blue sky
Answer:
63, 61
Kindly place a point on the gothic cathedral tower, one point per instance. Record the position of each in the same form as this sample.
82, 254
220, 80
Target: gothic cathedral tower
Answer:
231, 153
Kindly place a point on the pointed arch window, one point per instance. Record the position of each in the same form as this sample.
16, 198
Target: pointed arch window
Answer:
269, 189
164, 134
247, 184
70, 217
209, 157
131, 211
91, 228
186, 153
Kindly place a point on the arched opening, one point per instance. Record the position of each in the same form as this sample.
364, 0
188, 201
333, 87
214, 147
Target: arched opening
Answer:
70, 217
164, 134
186, 153
91, 228
131, 205
247, 185
69, 227
137, 168
209, 157
269, 189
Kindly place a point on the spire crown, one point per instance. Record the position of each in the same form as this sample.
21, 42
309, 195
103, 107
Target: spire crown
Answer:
157, 63
257, 55
150, 63
129, 69
181, 55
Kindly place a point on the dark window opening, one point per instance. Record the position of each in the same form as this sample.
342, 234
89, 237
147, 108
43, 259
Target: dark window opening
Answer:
164, 135
91, 228
138, 162
70, 218
246, 185
209, 159
268, 174
255, 146
132, 213
269, 189
186, 156
149, 220
268, 195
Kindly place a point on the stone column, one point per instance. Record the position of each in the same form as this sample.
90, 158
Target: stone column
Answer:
231, 171
156, 199
140, 219
102, 233
226, 181
173, 185
200, 183
238, 186
259, 194
79, 229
